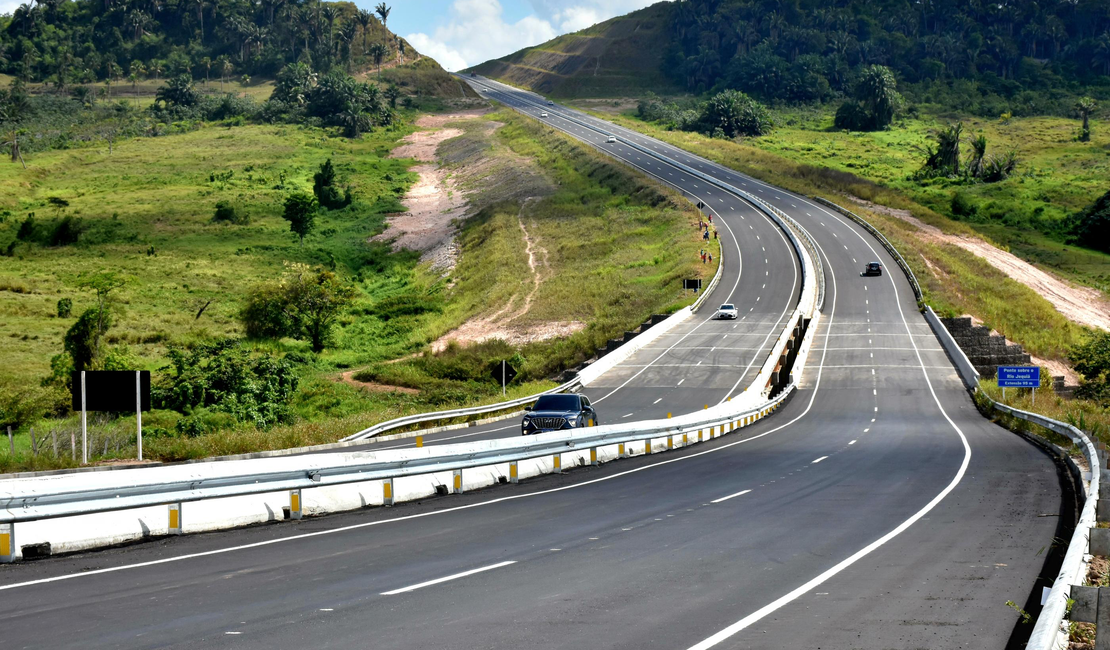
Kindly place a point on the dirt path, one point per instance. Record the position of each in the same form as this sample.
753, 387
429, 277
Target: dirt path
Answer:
434, 202
373, 386
1081, 305
498, 325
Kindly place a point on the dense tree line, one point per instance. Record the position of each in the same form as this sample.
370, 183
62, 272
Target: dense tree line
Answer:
988, 57
121, 41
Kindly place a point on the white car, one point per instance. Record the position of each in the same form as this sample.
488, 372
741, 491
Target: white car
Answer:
726, 310
543, 114
550, 103
611, 139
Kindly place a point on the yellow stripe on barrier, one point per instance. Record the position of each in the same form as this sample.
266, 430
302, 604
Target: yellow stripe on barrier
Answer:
387, 489
175, 518
5, 544
294, 502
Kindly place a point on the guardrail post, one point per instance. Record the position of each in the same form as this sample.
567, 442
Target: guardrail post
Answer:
1102, 620
647, 447
670, 441
294, 504
7, 543
387, 492
557, 463
593, 455
621, 451
176, 525
686, 439
458, 484
710, 434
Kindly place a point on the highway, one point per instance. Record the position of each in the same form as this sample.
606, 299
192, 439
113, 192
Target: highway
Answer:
877, 509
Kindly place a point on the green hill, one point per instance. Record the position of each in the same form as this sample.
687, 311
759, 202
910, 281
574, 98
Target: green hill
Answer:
1022, 57
617, 57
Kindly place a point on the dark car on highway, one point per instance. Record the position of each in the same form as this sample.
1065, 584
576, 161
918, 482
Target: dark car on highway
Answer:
556, 412
872, 268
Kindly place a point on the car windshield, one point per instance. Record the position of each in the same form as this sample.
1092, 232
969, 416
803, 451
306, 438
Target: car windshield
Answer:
874, 265
728, 307
557, 403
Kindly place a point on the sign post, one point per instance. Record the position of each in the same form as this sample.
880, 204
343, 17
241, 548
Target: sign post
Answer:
84, 429
504, 373
1019, 377
116, 391
139, 411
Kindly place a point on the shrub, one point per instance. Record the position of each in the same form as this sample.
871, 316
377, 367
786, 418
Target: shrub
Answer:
1091, 227
65, 307
734, 113
226, 377
325, 189
227, 213
305, 305
66, 232
264, 316
1092, 360
962, 206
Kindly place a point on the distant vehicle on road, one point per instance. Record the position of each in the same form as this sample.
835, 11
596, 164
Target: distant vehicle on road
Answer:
473, 74
543, 114
872, 268
611, 139
550, 103
557, 412
726, 311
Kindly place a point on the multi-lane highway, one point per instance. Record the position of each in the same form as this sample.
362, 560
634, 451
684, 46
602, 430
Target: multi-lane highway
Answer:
876, 510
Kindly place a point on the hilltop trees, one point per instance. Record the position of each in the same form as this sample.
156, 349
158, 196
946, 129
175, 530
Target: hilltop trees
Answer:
66, 42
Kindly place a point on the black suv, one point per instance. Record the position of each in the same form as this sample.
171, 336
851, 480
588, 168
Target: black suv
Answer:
872, 268
555, 412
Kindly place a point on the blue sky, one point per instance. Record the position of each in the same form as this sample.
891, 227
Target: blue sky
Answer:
462, 33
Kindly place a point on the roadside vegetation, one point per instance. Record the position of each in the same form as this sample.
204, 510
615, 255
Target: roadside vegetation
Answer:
193, 266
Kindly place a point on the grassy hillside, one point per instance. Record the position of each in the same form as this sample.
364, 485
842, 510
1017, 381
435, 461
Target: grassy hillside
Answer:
954, 280
149, 217
619, 56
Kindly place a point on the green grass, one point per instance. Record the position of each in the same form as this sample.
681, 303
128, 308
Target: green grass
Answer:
954, 281
617, 246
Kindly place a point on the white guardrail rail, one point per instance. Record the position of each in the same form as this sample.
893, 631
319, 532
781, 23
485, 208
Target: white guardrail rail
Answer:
1050, 632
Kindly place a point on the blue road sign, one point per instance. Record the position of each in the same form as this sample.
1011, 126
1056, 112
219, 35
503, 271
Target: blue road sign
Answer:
1019, 376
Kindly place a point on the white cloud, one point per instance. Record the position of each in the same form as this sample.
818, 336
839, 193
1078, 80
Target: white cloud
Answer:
477, 30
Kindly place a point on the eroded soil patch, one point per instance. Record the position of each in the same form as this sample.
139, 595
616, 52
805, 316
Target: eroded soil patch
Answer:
1081, 305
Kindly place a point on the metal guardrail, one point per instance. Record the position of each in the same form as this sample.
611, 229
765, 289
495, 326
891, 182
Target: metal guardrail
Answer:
76, 494
435, 416
1050, 626
882, 240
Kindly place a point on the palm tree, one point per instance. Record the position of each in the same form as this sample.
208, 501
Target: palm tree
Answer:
1085, 106
199, 4
383, 12
978, 146
364, 18
225, 70
379, 51
876, 89
347, 33
207, 63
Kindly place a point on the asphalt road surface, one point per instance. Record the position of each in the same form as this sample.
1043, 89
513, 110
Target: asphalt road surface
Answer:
877, 509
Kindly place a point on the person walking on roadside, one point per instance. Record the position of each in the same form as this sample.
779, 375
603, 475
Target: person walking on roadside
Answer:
703, 257
714, 234
710, 218
710, 258
705, 234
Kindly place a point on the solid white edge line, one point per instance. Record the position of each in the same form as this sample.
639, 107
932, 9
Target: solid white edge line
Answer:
740, 493
447, 578
855, 557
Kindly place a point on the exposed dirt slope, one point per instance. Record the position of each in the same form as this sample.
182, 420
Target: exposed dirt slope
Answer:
1081, 305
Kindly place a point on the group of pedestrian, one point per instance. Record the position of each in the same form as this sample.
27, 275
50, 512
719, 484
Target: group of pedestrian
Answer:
704, 227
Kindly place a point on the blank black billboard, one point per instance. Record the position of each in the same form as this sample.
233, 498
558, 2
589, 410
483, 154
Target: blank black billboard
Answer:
111, 390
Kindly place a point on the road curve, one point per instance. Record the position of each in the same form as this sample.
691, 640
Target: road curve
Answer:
876, 510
